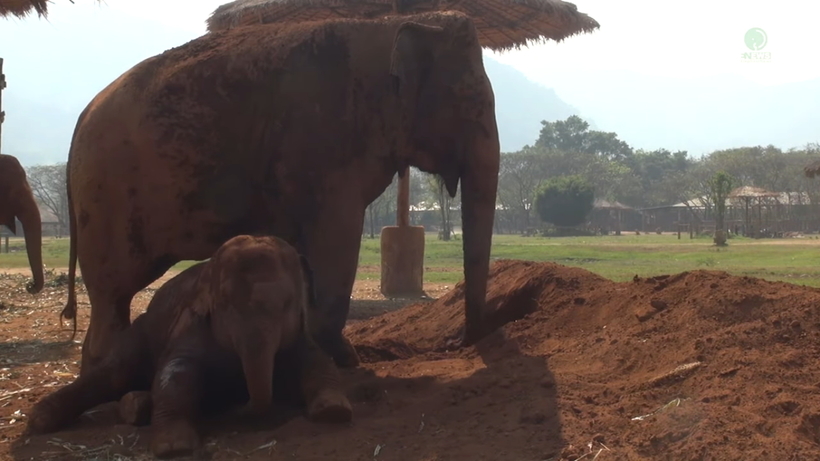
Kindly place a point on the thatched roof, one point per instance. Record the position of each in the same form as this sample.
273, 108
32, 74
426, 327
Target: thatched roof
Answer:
501, 24
22, 8
601, 204
752, 192
812, 169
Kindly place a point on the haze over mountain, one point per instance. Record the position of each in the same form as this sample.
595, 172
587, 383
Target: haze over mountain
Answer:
612, 78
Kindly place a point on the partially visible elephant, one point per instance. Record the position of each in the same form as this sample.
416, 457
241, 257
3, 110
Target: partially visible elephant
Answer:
281, 129
214, 326
17, 201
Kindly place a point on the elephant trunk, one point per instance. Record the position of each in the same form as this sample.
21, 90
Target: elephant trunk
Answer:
29, 216
479, 183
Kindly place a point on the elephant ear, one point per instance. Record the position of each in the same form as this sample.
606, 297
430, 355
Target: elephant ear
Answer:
413, 55
11, 224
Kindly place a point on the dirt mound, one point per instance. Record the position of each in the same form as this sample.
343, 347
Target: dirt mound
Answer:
731, 360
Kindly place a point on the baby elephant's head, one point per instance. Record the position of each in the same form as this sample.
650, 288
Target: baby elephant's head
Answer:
252, 283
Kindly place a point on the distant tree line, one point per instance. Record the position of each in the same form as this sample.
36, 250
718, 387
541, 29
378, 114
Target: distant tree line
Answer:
566, 149
636, 177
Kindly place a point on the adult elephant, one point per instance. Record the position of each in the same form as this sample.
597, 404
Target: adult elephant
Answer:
290, 130
17, 202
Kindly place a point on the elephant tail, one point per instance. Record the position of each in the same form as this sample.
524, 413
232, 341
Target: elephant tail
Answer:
70, 309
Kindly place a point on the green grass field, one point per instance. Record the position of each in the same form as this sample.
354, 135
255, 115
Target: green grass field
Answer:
618, 258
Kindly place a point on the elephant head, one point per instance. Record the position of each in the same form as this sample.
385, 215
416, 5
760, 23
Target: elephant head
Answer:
17, 202
448, 116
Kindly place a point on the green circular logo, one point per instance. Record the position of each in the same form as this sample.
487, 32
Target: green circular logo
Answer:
756, 39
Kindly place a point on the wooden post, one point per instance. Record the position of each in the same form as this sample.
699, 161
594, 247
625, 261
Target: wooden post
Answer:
402, 250
2, 113
403, 200
7, 244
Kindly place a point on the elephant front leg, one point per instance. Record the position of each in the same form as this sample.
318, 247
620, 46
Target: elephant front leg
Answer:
332, 249
321, 385
176, 393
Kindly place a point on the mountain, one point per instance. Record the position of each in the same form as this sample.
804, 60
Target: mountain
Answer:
521, 104
54, 68
699, 115
45, 96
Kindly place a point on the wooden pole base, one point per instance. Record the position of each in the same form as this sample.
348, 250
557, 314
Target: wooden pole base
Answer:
402, 249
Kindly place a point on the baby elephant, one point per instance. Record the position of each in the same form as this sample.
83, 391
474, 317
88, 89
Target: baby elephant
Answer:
204, 331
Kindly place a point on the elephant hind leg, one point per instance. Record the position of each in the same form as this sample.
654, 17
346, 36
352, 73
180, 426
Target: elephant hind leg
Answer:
111, 287
120, 373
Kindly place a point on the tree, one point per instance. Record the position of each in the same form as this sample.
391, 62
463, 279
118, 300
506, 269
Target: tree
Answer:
443, 199
721, 185
48, 183
519, 175
382, 211
574, 136
565, 201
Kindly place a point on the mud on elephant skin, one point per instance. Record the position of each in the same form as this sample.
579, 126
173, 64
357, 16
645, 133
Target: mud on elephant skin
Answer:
17, 202
216, 328
217, 137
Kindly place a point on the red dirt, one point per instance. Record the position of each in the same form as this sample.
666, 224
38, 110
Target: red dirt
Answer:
580, 357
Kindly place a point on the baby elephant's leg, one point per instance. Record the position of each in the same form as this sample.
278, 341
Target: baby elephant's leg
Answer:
321, 384
176, 394
135, 408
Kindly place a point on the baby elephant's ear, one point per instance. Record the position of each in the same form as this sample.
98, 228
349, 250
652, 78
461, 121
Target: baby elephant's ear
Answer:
203, 288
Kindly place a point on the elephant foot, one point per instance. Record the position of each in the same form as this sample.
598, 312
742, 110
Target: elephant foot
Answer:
174, 439
44, 418
473, 333
330, 406
343, 353
135, 408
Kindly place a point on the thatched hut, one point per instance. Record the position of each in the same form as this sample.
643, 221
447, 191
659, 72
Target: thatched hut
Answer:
752, 197
22, 8
501, 24
812, 169
609, 216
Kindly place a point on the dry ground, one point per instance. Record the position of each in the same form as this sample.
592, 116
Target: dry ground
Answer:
696, 366
36, 358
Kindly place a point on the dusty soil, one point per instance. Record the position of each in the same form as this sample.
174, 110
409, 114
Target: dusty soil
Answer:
694, 366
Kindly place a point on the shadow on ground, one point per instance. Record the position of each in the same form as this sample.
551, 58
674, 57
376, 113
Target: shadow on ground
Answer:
415, 410
362, 309
24, 352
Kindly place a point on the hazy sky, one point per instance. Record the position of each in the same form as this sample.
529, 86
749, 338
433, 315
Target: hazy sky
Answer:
688, 39
685, 39
658, 38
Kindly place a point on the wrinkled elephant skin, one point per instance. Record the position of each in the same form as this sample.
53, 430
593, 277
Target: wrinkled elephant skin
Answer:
213, 327
17, 201
284, 129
